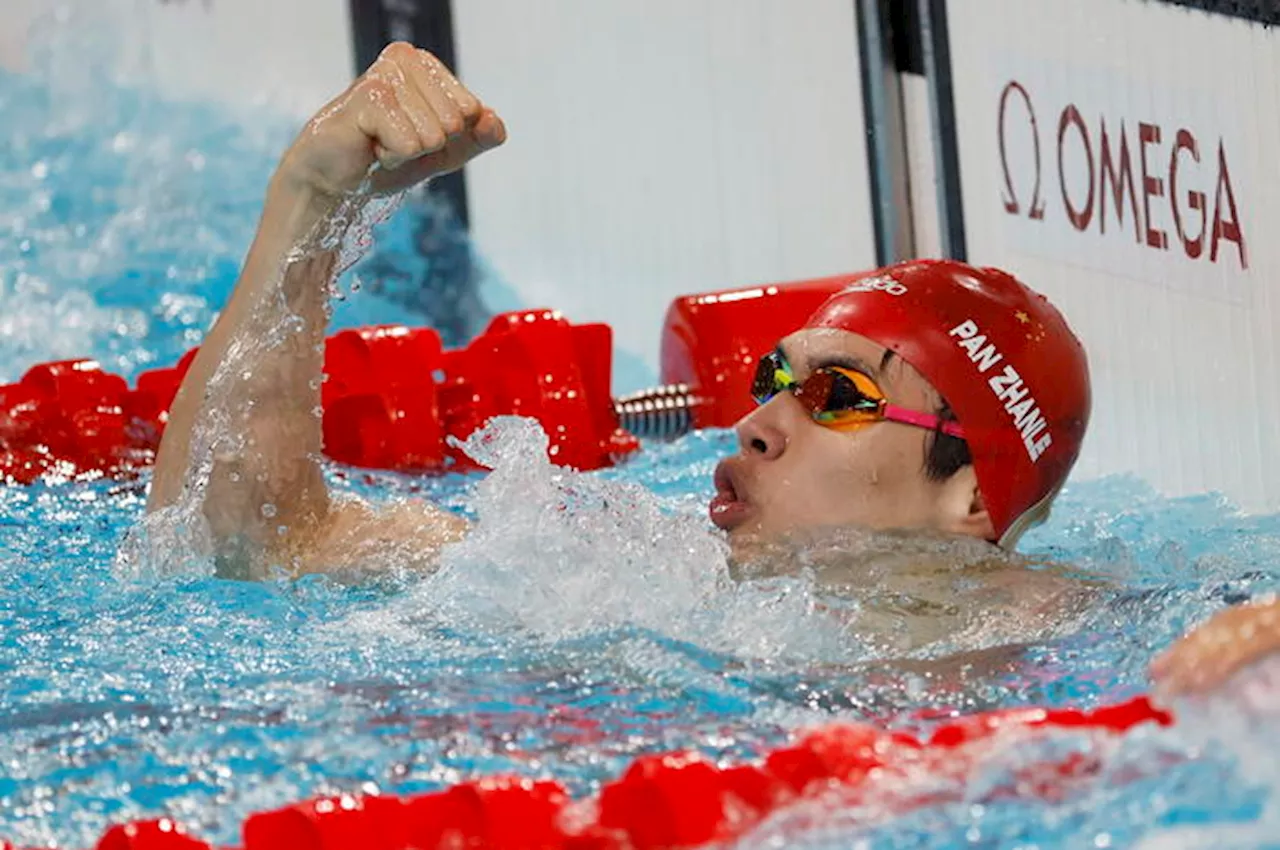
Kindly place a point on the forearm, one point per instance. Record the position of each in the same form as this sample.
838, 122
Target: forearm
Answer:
243, 429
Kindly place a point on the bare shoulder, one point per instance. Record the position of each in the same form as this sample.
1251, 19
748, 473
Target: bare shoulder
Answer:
361, 538
919, 590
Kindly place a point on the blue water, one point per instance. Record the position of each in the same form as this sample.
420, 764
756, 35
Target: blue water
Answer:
546, 647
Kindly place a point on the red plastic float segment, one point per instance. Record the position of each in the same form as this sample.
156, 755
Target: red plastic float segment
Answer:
668, 801
162, 834
754, 787
379, 398
535, 363
22, 434
503, 813
66, 417
844, 753
1123, 716
545, 383
75, 384
465, 405
711, 341
337, 823
969, 729
1120, 717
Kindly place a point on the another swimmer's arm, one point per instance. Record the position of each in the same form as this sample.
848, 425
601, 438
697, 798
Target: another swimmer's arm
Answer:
409, 116
1215, 650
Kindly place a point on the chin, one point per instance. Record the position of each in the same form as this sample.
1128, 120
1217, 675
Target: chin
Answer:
751, 539
749, 530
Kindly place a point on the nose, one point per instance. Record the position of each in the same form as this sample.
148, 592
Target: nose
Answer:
757, 435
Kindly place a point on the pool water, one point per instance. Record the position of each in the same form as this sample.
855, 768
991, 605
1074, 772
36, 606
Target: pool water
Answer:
588, 619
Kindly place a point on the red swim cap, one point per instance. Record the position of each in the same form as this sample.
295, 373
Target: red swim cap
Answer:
1003, 358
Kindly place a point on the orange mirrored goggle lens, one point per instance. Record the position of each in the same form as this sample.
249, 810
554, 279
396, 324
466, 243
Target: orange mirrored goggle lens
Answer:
833, 396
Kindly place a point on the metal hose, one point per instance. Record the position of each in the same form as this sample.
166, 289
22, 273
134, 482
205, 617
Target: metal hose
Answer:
662, 413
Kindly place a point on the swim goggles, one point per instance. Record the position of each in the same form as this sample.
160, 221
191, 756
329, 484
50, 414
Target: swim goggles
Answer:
839, 398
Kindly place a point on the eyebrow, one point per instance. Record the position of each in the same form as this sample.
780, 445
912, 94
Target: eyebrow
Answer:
845, 361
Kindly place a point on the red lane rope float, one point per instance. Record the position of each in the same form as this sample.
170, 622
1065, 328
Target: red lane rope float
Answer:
392, 397
661, 801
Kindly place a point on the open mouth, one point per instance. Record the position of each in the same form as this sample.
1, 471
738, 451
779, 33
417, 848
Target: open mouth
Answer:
728, 508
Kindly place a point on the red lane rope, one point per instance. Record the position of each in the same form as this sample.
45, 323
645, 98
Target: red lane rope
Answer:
392, 398
678, 800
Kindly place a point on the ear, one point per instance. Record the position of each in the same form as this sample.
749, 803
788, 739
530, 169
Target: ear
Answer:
962, 508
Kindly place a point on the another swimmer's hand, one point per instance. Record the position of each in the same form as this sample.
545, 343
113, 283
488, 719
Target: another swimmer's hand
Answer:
407, 113
1215, 650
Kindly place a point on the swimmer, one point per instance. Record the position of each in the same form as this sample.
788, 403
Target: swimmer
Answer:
1217, 649
933, 397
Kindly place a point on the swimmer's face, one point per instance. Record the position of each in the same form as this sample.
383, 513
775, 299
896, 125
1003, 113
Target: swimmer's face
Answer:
790, 473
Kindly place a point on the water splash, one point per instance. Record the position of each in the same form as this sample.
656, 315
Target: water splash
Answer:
558, 554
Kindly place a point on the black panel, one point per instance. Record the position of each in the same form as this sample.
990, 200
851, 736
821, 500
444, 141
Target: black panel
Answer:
904, 28
1261, 11
937, 50
886, 132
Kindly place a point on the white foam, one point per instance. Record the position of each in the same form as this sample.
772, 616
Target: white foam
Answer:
1240, 720
557, 553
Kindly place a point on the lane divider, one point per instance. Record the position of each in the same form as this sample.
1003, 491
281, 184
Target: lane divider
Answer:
678, 800
391, 399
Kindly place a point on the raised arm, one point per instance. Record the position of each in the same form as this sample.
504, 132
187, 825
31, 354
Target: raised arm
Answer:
243, 438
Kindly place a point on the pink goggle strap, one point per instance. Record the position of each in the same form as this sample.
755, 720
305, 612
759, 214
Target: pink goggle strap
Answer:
893, 413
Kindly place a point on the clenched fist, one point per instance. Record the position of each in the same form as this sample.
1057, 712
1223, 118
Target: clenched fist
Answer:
407, 113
